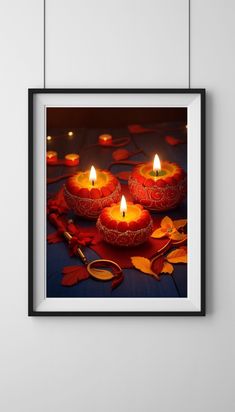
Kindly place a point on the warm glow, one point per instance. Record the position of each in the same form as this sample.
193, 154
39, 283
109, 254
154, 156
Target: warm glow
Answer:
92, 176
123, 206
156, 164
70, 133
49, 138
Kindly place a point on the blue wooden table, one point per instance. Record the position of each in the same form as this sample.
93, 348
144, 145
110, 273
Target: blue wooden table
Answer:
135, 284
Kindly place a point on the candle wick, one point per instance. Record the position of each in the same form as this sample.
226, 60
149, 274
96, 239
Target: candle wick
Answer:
93, 182
123, 214
156, 172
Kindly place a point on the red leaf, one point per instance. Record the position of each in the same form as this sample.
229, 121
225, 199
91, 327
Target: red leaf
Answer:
157, 265
173, 141
117, 280
137, 128
121, 154
73, 275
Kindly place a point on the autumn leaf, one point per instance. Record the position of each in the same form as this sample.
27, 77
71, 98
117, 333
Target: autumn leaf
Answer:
74, 274
178, 255
142, 264
167, 268
157, 264
180, 223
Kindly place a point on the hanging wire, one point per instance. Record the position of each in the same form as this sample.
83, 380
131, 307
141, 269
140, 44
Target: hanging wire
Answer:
189, 41
44, 43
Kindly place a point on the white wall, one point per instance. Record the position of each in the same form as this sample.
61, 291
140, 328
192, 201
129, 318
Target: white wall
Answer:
117, 364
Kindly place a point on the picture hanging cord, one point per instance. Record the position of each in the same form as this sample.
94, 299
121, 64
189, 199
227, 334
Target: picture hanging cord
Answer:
189, 41
44, 43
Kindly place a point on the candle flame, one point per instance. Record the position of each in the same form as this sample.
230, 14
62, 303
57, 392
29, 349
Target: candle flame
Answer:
123, 206
156, 163
70, 133
92, 176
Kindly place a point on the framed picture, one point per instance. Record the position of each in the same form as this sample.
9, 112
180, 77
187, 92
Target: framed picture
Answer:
116, 202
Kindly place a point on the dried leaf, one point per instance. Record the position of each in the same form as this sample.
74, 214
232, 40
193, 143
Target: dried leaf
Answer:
158, 233
180, 223
117, 280
167, 268
167, 223
178, 255
177, 235
101, 274
157, 265
73, 275
142, 264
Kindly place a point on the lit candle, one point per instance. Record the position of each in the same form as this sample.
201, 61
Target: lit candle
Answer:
49, 138
105, 139
123, 206
159, 185
88, 193
120, 228
52, 157
72, 159
70, 133
92, 176
156, 164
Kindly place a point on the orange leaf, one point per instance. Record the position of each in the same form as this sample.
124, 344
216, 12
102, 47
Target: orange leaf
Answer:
180, 223
167, 268
159, 233
178, 255
179, 242
142, 264
177, 235
167, 223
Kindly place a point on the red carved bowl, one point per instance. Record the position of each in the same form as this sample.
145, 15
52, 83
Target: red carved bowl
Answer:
163, 193
89, 202
122, 233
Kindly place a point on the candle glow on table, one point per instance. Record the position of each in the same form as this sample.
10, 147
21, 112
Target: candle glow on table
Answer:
160, 186
125, 224
72, 159
105, 139
52, 157
88, 192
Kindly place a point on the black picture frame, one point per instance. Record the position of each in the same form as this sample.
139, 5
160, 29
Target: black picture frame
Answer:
31, 94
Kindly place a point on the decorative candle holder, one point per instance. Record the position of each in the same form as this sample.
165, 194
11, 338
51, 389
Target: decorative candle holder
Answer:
105, 139
86, 197
158, 190
52, 157
130, 230
72, 159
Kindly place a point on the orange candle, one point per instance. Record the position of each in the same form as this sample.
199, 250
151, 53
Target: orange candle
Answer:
52, 157
158, 185
87, 193
105, 139
125, 224
72, 159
